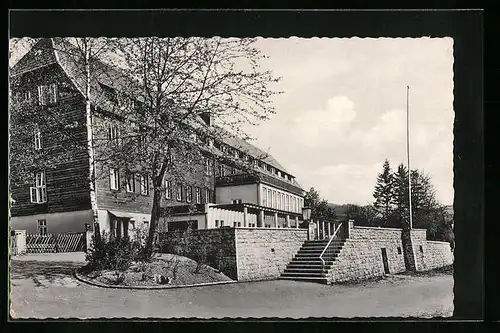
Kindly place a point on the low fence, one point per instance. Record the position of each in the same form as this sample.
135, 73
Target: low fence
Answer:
53, 243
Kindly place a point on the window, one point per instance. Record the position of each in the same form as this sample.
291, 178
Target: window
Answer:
114, 179
53, 93
189, 193
130, 182
399, 250
216, 223
42, 227
221, 223
222, 170
42, 95
146, 224
269, 198
264, 197
421, 248
38, 193
198, 195
233, 171
207, 167
47, 94
239, 224
208, 196
113, 133
27, 96
144, 182
237, 201
168, 190
38, 138
235, 224
179, 192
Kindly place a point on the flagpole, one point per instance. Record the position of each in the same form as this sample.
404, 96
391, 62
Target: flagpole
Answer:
408, 150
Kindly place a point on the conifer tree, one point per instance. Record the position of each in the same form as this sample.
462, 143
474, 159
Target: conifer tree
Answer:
384, 193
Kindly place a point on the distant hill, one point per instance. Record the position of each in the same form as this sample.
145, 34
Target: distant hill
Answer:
340, 210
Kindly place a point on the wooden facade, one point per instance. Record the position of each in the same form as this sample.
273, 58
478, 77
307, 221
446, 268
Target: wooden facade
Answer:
67, 182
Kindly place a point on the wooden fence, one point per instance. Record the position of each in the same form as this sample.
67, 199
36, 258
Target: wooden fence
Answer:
53, 243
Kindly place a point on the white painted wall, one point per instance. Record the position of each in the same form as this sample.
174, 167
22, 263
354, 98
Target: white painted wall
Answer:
56, 222
226, 194
104, 219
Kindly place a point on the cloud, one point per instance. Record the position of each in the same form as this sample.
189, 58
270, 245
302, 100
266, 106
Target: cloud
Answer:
346, 183
316, 127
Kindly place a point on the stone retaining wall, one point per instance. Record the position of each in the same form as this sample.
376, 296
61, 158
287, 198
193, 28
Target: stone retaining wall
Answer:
243, 254
265, 253
433, 255
217, 244
361, 256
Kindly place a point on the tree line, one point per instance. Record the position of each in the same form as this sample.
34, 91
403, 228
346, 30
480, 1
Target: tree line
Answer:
390, 207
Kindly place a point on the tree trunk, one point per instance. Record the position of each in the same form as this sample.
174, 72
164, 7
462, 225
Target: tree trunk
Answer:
155, 211
90, 145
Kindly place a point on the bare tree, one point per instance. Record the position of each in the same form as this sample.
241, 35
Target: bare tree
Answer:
171, 101
179, 82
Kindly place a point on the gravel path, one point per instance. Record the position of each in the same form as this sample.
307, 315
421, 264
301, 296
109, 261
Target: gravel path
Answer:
45, 289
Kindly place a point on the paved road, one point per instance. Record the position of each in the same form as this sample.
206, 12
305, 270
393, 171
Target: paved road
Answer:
42, 286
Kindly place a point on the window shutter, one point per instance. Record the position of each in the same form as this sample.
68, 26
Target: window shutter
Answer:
40, 95
43, 194
33, 194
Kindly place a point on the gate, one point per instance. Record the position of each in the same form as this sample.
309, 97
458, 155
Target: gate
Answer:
54, 243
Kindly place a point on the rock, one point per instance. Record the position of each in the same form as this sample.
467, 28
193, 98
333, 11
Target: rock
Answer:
161, 279
112, 277
94, 274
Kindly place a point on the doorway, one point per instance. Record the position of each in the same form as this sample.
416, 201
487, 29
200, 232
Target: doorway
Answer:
385, 261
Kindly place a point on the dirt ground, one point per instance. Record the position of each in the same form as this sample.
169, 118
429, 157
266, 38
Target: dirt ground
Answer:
42, 286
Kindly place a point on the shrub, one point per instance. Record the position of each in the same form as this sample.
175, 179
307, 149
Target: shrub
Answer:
107, 253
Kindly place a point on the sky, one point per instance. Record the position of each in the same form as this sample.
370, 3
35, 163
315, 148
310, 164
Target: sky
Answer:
343, 111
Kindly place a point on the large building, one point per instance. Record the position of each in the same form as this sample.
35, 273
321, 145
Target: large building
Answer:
58, 199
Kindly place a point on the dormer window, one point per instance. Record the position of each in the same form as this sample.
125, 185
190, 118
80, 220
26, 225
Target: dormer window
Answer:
47, 94
113, 133
109, 92
27, 96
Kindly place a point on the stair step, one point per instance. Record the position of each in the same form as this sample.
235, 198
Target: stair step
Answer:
304, 274
321, 246
299, 264
305, 270
305, 279
319, 251
311, 263
315, 255
311, 259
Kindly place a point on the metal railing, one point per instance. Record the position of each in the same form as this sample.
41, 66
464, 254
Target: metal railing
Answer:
328, 244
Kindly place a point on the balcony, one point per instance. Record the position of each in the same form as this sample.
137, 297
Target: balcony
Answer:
243, 179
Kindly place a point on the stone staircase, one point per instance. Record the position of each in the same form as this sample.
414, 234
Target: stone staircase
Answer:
307, 265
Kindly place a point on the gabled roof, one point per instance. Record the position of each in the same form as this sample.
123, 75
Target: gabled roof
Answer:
59, 50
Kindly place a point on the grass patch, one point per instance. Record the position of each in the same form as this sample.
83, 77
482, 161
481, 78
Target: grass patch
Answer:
445, 270
178, 269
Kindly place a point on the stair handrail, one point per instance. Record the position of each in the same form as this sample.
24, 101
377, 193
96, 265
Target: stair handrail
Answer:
327, 245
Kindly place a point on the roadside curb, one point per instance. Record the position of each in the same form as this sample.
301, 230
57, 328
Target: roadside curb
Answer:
89, 281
